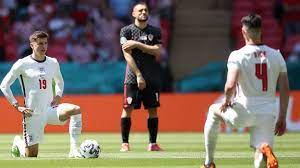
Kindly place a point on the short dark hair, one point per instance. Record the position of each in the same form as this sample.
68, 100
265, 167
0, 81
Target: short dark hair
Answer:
139, 3
38, 34
252, 21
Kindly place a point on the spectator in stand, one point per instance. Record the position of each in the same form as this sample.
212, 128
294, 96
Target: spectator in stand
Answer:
61, 25
295, 55
2, 42
23, 29
10, 4
4, 22
80, 50
108, 29
291, 16
99, 21
122, 9
40, 12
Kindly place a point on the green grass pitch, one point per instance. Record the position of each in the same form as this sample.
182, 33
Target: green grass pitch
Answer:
182, 150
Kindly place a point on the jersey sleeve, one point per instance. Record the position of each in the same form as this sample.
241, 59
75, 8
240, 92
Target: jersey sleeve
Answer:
124, 35
157, 37
59, 82
233, 62
282, 63
9, 79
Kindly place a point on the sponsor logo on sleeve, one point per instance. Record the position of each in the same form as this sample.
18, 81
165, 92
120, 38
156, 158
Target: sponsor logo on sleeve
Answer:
123, 40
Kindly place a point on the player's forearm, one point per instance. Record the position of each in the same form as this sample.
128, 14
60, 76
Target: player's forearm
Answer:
229, 92
5, 88
8, 94
284, 100
284, 91
153, 50
59, 86
131, 63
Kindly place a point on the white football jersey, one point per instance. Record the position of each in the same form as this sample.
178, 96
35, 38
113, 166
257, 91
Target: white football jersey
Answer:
35, 78
259, 67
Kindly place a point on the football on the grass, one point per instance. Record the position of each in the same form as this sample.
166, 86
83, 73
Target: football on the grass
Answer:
90, 149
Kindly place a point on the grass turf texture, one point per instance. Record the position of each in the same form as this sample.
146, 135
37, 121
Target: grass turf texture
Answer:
182, 150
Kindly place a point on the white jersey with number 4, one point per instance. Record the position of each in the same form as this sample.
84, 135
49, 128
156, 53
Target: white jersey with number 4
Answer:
259, 67
36, 81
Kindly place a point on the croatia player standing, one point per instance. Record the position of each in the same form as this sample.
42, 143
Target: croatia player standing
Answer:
253, 74
141, 45
36, 73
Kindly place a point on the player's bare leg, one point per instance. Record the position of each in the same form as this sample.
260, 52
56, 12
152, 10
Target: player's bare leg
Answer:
125, 128
73, 112
152, 125
211, 131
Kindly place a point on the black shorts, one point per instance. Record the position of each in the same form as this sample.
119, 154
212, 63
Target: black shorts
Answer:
133, 97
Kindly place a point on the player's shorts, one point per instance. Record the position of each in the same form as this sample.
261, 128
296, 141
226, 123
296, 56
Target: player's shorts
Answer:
33, 127
133, 97
261, 125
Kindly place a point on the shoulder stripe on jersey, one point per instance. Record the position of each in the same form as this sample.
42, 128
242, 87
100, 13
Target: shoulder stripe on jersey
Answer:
23, 86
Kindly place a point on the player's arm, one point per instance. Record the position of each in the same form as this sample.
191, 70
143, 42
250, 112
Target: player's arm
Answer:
229, 89
232, 79
132, 65
8, 80
284, 90
149, 49
59, 85
125, 34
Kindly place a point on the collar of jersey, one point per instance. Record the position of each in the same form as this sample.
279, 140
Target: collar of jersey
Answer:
38, 60
259, 44
140, 28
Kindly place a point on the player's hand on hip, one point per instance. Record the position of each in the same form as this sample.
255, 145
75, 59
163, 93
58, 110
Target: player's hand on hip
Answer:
280, 127
55, 101
130, 44
26, 111
225, 105
141, 82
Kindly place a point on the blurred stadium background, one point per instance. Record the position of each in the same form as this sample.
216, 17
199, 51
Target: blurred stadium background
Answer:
197, 35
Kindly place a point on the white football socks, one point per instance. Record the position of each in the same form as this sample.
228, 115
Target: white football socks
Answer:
259, 161
21, 145
211, 131
75, 127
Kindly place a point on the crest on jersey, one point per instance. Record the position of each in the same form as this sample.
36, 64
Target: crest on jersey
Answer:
150, 37
123, 40
143, 38
129, 100
42, 69
42, 72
